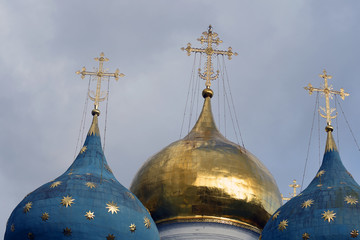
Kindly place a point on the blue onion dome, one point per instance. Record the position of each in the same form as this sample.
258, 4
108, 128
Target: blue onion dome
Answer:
327, 209
86, 202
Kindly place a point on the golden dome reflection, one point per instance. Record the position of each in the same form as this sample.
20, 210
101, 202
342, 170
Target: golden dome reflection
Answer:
205, 177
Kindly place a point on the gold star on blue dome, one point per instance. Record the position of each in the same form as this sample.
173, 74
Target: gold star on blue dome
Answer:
147, 222
110, 237
67, 201
306, 236
67, 231
90, 184
45, 216
27, 207
113, 207
351, 200
90, 215
307, 203
132, 227
328, 215
320, 173
283, 224
130, 195
30, 235
354, 233
55, 184
83, 149
276, 215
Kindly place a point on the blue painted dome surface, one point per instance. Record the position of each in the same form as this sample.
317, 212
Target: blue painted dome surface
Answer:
327, 209
86, 202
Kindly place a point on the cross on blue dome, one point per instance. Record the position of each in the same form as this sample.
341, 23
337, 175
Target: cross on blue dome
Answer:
328, 209
86, 202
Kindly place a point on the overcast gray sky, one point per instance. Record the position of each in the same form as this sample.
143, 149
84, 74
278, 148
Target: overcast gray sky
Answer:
282, 46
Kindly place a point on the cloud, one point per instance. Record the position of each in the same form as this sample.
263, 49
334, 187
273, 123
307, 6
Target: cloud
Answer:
282, 46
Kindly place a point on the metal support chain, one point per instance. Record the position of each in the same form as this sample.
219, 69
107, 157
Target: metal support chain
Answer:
82, 123
106, 112
311, 131
352, 133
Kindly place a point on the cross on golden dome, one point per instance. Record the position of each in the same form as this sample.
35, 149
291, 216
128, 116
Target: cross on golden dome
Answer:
209, 38
100, 73
328, 92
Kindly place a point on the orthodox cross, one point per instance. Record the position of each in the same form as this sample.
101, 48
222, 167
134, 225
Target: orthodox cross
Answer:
209, 38
328, 92
100, 73
294, 186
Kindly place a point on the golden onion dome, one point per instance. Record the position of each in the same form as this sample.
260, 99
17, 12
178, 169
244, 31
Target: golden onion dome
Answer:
205, 177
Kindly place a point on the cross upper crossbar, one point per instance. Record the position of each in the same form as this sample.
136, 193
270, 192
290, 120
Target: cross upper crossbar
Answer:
328, 92
209, 38
98, 96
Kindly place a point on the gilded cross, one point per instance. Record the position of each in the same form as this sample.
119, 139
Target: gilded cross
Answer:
328, 92
294, 186
100, 73
209, 38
